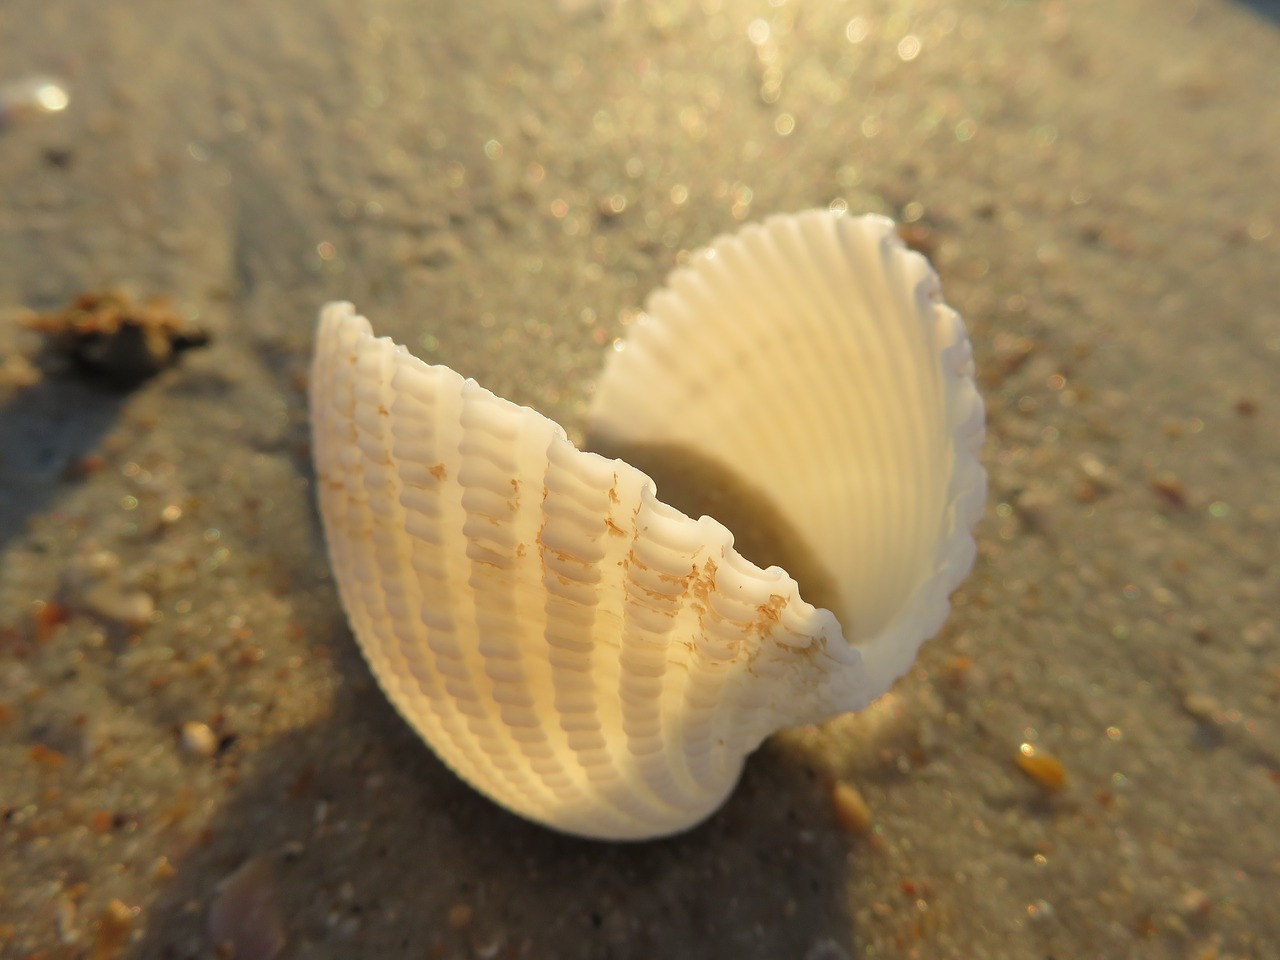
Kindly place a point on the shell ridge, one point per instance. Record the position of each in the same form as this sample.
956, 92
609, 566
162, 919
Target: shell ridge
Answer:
471, 745
421, 634
703, 690
413, 428
745, 634
655, 589
577, 547
646, 804
491, 450
667, 564
344, 483
570, 630
403, 638
353, 553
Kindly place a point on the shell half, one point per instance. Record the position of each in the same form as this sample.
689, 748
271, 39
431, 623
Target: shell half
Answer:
592, 658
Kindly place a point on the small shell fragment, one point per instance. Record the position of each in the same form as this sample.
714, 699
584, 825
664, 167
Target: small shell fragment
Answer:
244, 919
197, 739
1044, 768
592, 658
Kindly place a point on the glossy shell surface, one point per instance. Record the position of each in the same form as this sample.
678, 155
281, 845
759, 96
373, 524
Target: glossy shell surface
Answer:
592, 658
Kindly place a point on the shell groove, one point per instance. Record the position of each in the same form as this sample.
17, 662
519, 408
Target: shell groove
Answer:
588, 656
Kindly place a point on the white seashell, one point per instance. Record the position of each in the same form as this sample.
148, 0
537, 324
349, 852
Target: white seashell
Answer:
592, 658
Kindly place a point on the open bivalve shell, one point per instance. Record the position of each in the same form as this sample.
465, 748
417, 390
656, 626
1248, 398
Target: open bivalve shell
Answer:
592, 658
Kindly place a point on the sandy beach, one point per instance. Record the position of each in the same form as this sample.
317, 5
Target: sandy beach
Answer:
193, 752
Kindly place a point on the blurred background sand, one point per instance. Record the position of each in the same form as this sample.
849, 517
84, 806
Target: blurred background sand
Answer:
498, 185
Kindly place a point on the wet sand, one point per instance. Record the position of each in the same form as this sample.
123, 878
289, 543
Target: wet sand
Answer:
497, 185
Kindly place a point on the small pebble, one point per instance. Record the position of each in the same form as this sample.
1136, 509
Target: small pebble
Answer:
1170, 489
957, 671
47, 617
1087, 491
1011, 352
197, 739
1040, 910
459, 916
1092, 467
1202, 706
1044, 768
1194, 903
920, 238
47, 757
852, 812
109, 600
163, 869
113, 931
1036, 504
245, 916
93, 582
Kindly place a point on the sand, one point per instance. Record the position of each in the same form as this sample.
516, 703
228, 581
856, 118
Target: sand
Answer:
498, 185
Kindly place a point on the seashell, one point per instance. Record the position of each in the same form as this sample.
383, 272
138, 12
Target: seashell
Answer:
593, 658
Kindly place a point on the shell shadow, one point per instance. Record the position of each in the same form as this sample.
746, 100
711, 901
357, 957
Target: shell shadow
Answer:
373, 842
45, 431
698, 485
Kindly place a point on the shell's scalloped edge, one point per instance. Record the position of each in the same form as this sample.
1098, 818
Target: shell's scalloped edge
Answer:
717, 537
891, 653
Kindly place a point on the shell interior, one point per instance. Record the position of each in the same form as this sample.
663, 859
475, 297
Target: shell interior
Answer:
813, 354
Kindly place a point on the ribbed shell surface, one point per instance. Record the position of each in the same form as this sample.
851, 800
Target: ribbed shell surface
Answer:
578, 651
588, 656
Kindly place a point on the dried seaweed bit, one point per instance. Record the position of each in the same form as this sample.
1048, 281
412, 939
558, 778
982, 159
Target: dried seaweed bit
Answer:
245, 917
111, 336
